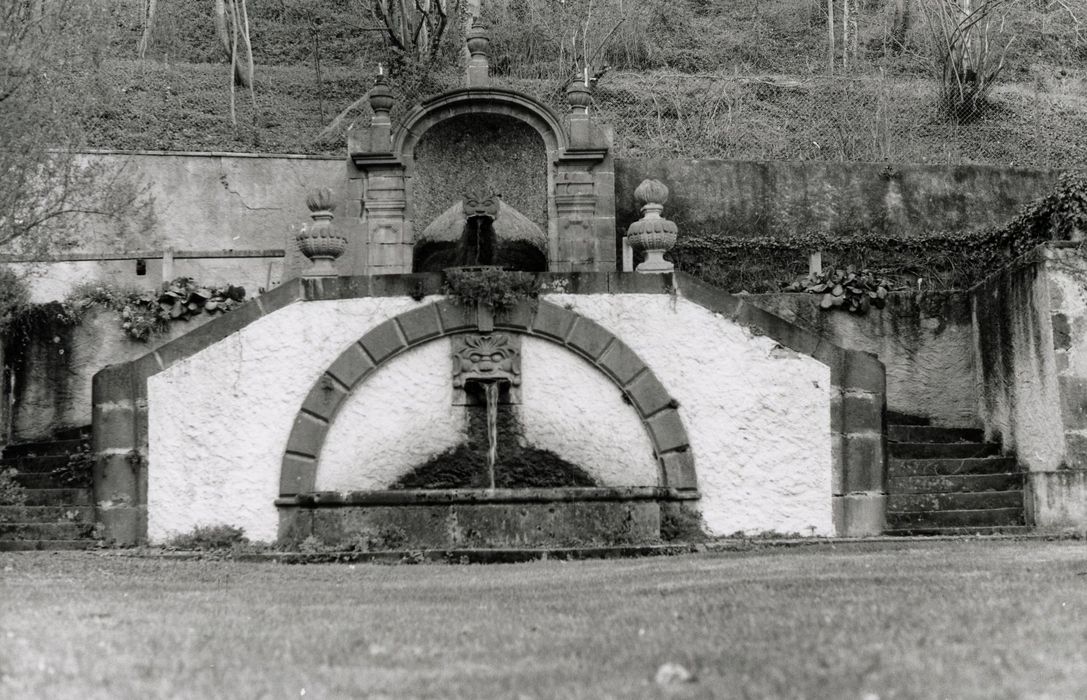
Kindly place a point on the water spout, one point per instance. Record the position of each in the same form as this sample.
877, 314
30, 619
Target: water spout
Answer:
490, 390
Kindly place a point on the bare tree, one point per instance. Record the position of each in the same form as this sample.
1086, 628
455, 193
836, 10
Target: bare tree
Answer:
232, 28
414, 27
970, 50
900, 25
47, 189
148, 18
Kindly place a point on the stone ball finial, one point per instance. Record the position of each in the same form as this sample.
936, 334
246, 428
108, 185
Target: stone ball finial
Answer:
651, 191
381, 97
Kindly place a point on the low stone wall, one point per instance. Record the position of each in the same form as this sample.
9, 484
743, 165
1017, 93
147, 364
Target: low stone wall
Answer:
926, 343
760, 198
799, 451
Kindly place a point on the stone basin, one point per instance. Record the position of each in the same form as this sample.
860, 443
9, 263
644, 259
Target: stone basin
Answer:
478, 518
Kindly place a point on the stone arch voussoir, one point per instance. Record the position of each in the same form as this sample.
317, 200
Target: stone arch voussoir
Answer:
651, 401
495, 101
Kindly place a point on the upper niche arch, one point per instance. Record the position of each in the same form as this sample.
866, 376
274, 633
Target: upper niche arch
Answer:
580, 187
655, 407
495, 101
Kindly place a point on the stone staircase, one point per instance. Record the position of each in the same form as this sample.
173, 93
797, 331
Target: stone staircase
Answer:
948, 481
57, 514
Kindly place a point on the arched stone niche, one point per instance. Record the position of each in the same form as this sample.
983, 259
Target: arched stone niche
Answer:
501, 154
391, 169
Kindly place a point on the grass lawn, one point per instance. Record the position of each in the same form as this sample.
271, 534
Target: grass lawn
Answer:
903, 620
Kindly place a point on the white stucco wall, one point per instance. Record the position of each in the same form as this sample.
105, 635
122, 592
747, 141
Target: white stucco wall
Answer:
571, 408
402, 416
405, 416
757, 415
219, 420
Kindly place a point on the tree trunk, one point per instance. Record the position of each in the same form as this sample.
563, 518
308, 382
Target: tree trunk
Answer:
845, 34
900, 25
830, 37
148, 27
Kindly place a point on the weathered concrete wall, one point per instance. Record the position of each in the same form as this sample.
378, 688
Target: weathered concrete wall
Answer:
926, 344
1031, 324
244, 202
755, 198
1016, 368
759, 416
205, 201
51, 387
1059, 498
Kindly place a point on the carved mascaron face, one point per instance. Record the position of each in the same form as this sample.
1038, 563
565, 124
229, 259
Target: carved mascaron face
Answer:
486, 357
480, 203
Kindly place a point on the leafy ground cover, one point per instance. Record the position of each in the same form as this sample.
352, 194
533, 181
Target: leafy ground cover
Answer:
965, 619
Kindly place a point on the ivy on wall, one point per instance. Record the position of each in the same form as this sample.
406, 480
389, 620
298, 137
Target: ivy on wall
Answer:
942, 259
141, 313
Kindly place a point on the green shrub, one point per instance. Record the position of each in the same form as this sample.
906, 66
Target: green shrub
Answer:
11, 493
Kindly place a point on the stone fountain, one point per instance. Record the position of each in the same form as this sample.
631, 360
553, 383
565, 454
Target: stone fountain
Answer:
467, 366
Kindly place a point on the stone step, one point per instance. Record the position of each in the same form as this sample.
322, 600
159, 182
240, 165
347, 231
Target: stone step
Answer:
45, 531
966, 483
82, 432
59, 497
46, 545
46, 514
932, 433
34, 464
941, 450
960, 531
987, 517
40, 480
896, 418
917, 502
42, 449
970, 465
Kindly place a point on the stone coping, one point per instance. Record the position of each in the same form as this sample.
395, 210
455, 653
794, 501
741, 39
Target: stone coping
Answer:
422, 497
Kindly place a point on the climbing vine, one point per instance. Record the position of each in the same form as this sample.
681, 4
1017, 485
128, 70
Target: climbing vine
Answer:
141, 313
942, 259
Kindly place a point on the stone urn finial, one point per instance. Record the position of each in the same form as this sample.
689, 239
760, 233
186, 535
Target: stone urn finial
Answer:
381, 97
319, 241
578, 96
652, 234
478, 42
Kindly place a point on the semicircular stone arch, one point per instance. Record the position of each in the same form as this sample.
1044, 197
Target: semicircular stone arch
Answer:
495, 101
654, 406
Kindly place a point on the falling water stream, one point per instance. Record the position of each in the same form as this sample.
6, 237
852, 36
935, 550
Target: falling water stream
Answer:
491, 391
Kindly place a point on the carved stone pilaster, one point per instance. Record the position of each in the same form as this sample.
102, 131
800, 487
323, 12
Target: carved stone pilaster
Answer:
388, 230
575, 205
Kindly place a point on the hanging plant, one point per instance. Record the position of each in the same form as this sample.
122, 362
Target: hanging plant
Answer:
490, 286
849, 289
144, 313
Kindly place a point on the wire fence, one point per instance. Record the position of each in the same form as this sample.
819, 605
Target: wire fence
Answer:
875, 117
758, 79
